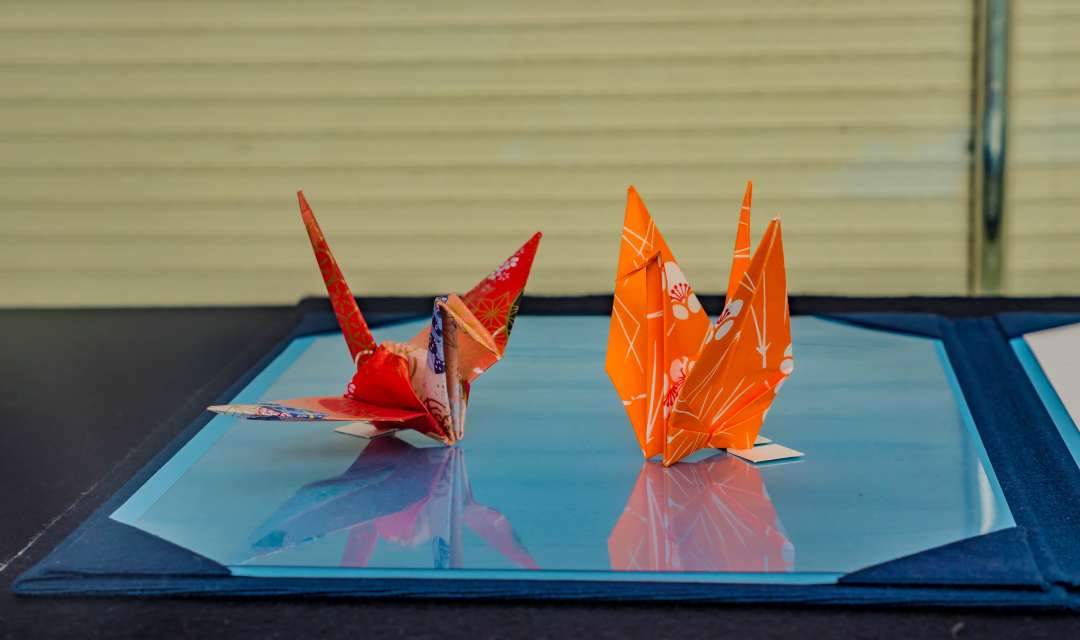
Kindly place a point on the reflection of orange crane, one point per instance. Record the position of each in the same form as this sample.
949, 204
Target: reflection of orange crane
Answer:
422, 384
711, 515
395, 492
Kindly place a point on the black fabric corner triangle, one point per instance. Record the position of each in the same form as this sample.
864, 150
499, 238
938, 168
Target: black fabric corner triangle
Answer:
112, 548
1001, 558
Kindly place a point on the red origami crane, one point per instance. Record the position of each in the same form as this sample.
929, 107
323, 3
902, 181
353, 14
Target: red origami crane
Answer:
422, 384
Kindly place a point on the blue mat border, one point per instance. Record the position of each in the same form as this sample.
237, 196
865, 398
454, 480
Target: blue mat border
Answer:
1058, 449
1043, 581
1038, 476
1045, 389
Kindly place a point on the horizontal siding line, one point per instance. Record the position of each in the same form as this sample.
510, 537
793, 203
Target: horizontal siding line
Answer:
1054, 53
1064, 270
1057, 163
1044, 158
861, 54
341, 236
457, 200
46, 156
508, 221
472, 269
315, 26
377, 167
919, 124
1055, 9
607, 128
616, 162
835, 92
399, 151
236, 133
1056, 128
1059, 235
1064, 198
1042, 185
1069, 90
1050, 18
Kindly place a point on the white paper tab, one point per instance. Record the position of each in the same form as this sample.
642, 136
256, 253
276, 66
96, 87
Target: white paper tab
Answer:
766, 453
364, 430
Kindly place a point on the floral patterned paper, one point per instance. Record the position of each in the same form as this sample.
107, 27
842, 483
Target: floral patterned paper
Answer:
687, 383
422, 384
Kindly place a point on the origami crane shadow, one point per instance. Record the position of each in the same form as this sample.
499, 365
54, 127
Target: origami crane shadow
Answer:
406, 495
711, 515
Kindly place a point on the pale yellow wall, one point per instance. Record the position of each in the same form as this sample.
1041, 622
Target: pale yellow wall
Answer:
1043, 205
149, 151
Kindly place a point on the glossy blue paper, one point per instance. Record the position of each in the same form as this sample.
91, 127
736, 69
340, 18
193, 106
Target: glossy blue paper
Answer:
549, 482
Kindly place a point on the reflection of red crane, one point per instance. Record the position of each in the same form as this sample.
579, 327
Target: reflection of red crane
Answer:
398, 493
712, 515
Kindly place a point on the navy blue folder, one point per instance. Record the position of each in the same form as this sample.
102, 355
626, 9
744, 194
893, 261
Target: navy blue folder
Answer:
1032, 565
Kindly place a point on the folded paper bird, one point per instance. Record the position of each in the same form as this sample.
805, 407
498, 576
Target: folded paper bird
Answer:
688, 383
422, 384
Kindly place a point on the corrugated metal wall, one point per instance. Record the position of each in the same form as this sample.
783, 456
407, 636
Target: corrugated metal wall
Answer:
1042, 249
149, 151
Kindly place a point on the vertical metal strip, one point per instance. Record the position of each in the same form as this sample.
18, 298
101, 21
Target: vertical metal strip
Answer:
991, 126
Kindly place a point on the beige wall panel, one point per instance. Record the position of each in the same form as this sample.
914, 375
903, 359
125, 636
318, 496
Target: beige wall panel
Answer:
1043, 198
149, 151
135, 14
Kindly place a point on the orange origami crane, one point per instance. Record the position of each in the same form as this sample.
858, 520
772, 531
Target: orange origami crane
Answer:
422, 384
688, 383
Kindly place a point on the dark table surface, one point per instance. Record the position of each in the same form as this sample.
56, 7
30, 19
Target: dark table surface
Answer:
88, 396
